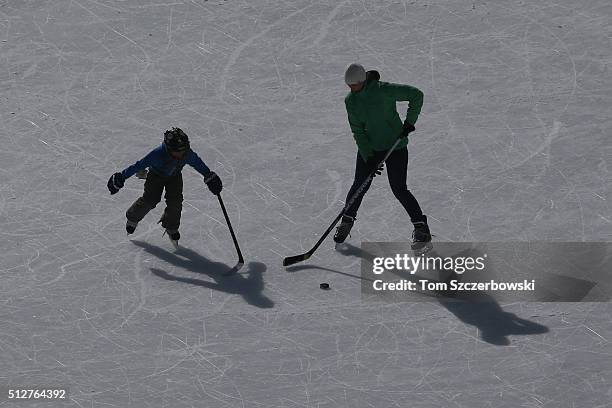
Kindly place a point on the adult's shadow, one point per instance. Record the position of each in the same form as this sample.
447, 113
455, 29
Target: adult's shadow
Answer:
248, 284
479, 309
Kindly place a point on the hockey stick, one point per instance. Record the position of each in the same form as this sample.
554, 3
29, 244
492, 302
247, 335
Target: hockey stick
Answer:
290, 260
240, 263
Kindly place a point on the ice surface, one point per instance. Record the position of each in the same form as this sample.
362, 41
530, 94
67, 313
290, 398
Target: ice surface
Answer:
513, 143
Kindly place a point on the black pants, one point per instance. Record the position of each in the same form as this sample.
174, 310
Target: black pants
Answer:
397, 166
153, 188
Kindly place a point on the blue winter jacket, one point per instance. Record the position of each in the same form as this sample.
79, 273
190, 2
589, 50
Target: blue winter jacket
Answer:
161, 163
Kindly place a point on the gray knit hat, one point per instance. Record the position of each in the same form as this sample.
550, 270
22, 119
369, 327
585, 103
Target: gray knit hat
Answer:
355, 74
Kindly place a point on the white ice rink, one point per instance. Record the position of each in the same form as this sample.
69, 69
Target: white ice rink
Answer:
513, 144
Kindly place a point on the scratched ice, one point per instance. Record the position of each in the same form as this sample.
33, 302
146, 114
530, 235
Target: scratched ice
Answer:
513, 144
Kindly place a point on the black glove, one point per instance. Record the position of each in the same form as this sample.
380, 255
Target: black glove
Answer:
406, 129
374, 167
213, 182
115, 183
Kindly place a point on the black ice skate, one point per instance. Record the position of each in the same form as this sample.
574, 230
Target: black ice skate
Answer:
174, 236
421, 237
130, 226
344, 229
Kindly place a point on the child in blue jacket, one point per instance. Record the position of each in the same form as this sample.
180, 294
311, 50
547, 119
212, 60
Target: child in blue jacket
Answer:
164, 164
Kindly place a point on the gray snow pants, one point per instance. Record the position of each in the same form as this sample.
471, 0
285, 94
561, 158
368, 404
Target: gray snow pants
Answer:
153, 188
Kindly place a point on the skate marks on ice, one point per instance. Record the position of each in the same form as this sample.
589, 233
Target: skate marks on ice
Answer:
479, 310
248, 284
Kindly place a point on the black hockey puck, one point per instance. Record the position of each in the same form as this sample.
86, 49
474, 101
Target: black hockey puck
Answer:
324, 286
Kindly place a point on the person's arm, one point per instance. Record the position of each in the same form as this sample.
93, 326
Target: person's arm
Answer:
359, 134
413, 95
140, 164
197, 163
211, 179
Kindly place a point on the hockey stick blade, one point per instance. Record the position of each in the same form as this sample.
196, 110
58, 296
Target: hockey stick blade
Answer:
290, 260
235, 269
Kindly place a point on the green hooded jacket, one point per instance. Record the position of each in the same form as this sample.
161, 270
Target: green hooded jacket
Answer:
373, 116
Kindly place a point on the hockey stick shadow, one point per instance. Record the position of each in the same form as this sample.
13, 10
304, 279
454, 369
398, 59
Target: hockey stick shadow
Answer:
305, 267
479, 309
248, 284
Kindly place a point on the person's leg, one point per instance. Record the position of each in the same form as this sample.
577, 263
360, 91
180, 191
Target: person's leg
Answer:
171, 219
153, 188
348, 219
361, 173
397, 166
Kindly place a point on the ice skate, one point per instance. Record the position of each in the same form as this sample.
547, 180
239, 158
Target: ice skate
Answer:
344, 229
421, 237
130, 227
174, 237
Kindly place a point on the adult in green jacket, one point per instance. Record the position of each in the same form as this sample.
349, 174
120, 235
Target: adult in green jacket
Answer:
376, 126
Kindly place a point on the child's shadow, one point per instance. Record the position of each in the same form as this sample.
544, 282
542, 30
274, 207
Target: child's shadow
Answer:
479, 310
249, 287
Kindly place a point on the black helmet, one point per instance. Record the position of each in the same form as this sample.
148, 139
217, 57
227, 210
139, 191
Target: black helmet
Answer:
176, 140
